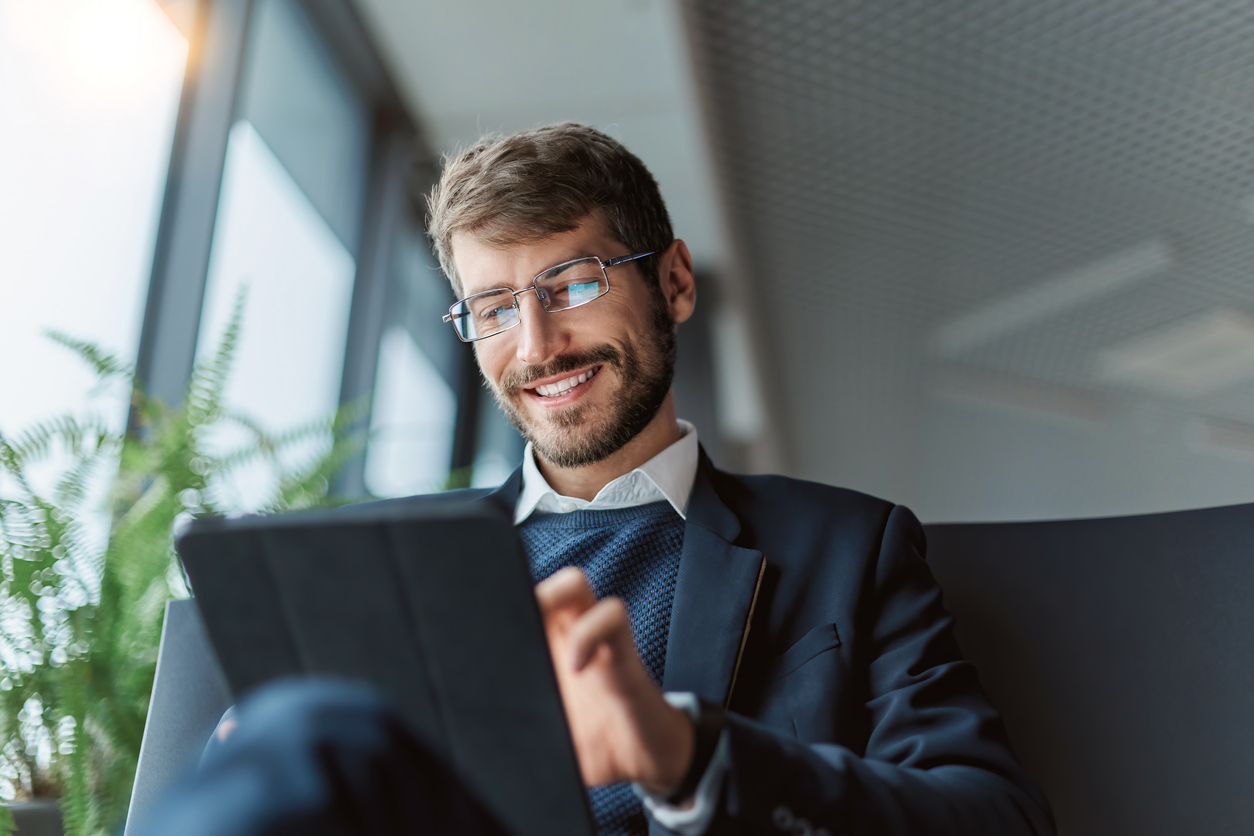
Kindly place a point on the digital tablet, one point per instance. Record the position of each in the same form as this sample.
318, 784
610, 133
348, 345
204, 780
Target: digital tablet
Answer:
433, 605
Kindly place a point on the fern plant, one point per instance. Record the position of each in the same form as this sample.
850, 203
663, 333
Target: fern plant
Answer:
80, 622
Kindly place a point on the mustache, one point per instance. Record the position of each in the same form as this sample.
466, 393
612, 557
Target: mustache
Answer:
513, 382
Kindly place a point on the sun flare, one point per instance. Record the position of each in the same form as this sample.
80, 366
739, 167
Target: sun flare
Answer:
107, 51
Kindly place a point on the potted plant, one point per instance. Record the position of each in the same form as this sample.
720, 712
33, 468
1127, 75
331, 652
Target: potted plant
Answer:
82, 591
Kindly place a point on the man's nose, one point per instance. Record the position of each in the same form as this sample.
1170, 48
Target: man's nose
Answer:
539, 337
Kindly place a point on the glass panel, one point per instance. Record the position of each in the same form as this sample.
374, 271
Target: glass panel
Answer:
415, 404
271, 240
89, 94
287, 230
412, 421
308, 114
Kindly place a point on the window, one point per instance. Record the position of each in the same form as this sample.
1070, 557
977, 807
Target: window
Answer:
288, 223
413, 421
89, 95
297, 280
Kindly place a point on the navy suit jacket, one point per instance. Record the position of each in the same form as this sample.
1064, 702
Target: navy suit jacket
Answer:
809, 612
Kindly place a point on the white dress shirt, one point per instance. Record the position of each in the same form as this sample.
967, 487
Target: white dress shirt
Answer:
669, 475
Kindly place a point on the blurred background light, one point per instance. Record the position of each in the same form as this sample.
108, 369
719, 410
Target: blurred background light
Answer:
89, 94
99, 53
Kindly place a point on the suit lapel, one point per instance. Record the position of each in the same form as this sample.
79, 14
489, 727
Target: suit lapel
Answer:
714, 597
715, 591
506, 496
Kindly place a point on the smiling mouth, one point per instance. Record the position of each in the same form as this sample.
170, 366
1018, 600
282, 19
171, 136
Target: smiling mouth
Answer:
561, 387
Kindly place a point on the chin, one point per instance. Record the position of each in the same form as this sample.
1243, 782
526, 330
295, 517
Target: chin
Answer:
602, 419
563, 442
574, 437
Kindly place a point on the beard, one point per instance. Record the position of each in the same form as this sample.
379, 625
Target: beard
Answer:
579, 435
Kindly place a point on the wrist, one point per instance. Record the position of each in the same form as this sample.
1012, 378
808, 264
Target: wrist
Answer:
708, 720
673, 752
704, 722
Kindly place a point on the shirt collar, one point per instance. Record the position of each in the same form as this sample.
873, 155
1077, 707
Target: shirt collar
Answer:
669, 475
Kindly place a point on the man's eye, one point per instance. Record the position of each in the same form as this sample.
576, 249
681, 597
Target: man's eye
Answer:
578, 292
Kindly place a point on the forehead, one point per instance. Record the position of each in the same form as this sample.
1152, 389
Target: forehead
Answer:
482, 265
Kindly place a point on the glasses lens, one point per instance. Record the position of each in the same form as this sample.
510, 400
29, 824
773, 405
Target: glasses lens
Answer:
571, 285
484, 315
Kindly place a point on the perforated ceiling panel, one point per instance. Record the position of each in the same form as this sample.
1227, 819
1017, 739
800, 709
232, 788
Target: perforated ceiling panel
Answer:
896, 167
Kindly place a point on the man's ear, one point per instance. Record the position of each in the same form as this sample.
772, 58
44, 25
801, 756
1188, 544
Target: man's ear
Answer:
676, 281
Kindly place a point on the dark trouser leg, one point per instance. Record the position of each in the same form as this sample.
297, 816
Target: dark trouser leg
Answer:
316, 758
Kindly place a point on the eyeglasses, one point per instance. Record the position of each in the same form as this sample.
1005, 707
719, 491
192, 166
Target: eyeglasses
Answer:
559, 288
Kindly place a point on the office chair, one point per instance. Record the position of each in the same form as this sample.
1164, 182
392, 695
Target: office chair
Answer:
1121, 654
1119, 651
189, 696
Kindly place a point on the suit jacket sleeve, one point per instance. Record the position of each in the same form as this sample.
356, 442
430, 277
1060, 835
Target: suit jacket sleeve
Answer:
937, 759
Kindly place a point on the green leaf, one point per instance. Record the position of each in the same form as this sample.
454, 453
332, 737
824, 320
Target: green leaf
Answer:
104, 364
88, 621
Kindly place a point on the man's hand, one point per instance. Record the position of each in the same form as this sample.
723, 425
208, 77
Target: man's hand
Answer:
623, 728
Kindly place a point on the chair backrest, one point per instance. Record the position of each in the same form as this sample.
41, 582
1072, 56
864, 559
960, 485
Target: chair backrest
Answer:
1121, 654
189, 696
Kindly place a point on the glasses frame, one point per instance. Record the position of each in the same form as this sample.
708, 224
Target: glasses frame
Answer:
604, 264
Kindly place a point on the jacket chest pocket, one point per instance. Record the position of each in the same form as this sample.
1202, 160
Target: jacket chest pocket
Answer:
802, 696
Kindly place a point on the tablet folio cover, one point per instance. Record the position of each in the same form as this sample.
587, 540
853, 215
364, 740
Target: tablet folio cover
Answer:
435, 608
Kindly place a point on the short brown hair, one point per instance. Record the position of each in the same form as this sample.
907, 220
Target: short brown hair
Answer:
529, 185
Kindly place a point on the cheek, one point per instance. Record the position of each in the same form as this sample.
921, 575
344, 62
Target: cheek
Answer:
492, 362
624, 316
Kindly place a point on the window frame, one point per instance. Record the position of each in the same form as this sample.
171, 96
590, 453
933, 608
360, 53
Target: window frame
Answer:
401, 164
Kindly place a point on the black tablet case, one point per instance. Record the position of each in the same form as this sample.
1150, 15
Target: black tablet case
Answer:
434, 607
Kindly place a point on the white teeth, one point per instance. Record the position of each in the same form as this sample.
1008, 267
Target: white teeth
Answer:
550, 390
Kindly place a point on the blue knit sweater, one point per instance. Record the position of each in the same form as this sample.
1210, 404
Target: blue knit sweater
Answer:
633, 554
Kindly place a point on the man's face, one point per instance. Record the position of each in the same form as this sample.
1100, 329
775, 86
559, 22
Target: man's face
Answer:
578, 384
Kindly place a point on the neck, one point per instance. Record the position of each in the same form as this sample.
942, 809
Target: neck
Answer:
586, 482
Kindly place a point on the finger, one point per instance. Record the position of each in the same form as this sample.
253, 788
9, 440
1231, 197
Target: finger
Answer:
565, 589
605, 624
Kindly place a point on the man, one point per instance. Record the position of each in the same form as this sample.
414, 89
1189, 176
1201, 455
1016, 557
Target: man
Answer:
735, 654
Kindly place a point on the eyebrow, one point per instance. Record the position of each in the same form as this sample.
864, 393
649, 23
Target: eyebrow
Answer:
576, 257
579, 257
